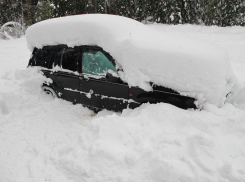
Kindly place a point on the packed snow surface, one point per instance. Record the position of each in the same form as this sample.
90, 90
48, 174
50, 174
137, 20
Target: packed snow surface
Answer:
192, 67
46, 139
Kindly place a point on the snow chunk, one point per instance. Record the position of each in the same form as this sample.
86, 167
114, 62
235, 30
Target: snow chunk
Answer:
192, 67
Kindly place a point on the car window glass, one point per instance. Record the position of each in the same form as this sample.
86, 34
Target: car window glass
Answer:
70, 59
96, 63
67, 58
58, 57
42, 57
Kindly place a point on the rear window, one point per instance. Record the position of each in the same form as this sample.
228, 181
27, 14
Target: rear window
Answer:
67, 58
41, 57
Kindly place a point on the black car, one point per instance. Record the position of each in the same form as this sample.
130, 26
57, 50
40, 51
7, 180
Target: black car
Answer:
88, 75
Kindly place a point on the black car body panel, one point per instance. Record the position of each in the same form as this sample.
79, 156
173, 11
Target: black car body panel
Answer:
110, 92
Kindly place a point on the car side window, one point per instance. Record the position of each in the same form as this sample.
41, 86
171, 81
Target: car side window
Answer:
96, 63
42, 57
67, 58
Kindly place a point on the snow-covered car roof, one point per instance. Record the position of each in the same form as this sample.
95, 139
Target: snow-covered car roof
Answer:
192, 67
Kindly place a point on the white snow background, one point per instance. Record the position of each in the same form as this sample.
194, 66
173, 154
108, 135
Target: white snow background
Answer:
45, 139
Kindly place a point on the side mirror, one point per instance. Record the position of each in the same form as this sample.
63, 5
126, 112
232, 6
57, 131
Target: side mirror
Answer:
112, 77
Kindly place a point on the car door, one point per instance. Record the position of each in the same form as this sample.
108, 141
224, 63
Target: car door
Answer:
99, 81
65, 74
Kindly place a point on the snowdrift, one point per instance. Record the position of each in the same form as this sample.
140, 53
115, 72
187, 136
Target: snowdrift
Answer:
192, 67
45, 139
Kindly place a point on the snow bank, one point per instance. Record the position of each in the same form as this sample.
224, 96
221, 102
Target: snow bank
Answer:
46, 139
190, 29
191, 67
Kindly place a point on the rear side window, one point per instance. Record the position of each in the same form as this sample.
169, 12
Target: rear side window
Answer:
67, 58
41, 57
96, 63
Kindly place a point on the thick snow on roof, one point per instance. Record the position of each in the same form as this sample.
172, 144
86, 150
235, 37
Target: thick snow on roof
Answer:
189, 66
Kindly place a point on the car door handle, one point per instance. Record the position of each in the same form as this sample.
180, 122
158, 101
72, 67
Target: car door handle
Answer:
80, 78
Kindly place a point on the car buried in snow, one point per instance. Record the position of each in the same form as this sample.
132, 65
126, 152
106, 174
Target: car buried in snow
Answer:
88, 75
113, 62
